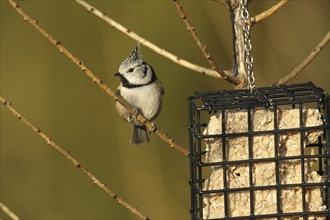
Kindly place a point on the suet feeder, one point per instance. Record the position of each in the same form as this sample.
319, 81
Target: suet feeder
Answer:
260, 155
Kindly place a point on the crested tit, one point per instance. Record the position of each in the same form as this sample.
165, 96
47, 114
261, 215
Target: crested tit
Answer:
141, 88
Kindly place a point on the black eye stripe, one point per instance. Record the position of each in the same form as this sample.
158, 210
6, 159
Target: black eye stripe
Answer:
145, 70
132, 69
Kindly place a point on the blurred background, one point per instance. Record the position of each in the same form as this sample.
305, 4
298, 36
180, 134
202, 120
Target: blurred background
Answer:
39, 183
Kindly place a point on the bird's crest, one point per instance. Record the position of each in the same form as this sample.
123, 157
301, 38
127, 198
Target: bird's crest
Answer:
134, 56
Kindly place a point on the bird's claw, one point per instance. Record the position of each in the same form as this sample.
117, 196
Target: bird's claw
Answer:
132, 117
153, 127
136, 110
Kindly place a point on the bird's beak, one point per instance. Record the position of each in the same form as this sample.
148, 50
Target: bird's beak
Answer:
117, 74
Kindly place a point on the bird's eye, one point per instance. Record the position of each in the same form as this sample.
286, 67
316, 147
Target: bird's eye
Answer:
130, 70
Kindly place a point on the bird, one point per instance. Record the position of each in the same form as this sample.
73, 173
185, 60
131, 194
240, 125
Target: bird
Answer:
141, 88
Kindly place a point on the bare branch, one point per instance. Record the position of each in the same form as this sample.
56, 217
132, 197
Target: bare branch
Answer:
223, 2
306, 61
230, 4
8, 212
267, 13
143, 41
202, 46
67, 155
237, 23
150, 126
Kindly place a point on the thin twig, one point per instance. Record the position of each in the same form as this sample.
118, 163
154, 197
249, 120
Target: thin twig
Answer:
143, 41
202, 46
306, 61
230, 4
99, 82
223, 2
8, 212
68, 156
265, 14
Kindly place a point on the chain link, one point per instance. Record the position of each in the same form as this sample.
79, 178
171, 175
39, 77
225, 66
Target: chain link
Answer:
247, 46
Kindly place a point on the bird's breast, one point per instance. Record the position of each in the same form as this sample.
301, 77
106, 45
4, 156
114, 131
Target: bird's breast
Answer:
148, 99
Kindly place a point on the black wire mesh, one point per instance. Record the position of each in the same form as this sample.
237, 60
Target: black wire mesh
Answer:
213, 192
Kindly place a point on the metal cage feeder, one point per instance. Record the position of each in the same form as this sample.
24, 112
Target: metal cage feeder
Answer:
260, 155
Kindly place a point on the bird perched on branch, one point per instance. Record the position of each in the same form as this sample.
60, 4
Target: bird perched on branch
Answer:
141, 88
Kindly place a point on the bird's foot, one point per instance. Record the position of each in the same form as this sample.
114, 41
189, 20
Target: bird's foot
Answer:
132, 117
153, 127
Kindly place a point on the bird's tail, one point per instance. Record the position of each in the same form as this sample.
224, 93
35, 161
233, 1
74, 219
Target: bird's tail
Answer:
139, 135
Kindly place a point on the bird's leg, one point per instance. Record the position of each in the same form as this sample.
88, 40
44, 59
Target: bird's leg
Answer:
132, 117
153, 127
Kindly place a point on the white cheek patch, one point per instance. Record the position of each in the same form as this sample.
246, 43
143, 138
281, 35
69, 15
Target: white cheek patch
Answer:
139, 77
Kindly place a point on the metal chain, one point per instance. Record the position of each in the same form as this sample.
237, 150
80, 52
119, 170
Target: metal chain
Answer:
247, 46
